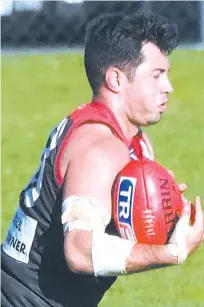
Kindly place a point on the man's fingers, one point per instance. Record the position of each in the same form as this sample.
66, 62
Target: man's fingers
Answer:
185, 201
182, 187
187, 210
198, 211
171, 173
186, 207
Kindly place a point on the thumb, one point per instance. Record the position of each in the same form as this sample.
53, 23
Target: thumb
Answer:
198, 211
186, 207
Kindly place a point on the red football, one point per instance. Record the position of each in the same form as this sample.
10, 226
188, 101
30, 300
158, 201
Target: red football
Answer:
146, 202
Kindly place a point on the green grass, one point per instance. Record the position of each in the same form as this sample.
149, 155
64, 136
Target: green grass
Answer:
37, 91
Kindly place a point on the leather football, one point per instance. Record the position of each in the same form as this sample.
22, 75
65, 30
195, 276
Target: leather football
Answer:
146, 202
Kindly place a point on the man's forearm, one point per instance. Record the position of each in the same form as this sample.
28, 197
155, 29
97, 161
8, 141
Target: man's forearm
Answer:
144, 257
111, 255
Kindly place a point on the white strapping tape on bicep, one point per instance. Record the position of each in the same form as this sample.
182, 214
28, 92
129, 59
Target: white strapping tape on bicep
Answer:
84, 213
109, 253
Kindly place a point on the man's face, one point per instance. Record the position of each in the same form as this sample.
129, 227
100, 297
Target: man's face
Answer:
146, 95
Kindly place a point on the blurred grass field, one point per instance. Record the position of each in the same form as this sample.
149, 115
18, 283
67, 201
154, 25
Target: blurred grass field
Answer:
37, 91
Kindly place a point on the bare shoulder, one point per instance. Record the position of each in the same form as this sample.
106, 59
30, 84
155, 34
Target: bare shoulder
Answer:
93, 167
96, 142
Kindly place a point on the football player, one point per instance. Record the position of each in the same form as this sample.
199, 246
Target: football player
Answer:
60, 249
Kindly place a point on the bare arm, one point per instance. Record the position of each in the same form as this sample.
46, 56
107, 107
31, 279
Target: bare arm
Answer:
146, 257
78, 247
91, 174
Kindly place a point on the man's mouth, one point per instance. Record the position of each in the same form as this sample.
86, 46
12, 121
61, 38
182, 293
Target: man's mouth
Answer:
163, 107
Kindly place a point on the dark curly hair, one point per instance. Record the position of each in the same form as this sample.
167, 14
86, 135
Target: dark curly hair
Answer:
116, 40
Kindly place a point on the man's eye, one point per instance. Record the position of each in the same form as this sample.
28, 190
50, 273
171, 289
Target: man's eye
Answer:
156, 76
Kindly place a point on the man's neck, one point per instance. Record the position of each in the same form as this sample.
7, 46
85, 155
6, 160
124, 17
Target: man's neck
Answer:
128, 128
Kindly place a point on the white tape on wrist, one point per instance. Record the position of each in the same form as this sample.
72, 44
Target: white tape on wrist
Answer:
180, 253
177, 242
109, 254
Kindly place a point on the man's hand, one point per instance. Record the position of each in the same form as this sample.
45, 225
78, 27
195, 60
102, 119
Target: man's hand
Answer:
186, 238
182, 186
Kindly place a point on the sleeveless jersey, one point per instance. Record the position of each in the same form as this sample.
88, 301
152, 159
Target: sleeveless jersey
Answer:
34, 270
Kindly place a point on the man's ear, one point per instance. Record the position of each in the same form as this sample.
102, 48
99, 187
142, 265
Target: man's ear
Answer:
114, 79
